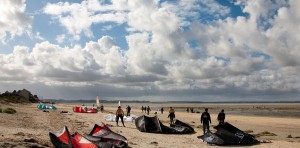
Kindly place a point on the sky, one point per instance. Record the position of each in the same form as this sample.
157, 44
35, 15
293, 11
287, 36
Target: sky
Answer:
155, 50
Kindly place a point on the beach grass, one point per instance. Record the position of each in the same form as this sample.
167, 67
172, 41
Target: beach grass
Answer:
10, 111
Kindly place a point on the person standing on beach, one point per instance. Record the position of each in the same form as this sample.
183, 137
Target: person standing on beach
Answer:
171, 115
148, 110
142, 109
162, 110
205, 119
192, 110
128, 110
221, 117
101, 108
119, 114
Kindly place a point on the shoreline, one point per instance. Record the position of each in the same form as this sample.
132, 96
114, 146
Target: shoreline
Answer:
291, 110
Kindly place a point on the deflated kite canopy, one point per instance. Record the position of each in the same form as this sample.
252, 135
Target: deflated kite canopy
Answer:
153, 125
227, 134
81, 109
105, 137
112, 118
100, 136
43, 106
212, 138
63, 139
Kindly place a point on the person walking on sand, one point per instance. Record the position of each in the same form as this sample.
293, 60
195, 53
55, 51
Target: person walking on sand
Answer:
128, 110
221, 117
142, 109
162, 110
119, 114
205, 119
171, 115
148, 110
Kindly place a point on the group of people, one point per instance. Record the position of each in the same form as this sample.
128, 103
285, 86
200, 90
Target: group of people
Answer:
190, 109
146, 109
120, 113
205, 118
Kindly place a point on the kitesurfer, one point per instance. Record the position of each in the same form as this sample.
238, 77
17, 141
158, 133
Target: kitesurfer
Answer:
128, 110
221, 117
148, 110
101, 108
162, 110
205, 119
171, 115
119, 114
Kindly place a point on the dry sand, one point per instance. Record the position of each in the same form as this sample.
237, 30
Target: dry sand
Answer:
30, 127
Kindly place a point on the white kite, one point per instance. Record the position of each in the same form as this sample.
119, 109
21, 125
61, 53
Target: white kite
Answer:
112, 118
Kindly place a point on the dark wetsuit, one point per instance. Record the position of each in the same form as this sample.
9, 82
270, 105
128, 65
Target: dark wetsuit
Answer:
221, 117
148, 110
128, 110
121, 117
171, 116
205, 119
162, 110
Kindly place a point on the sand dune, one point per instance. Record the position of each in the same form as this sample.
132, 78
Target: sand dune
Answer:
29, 127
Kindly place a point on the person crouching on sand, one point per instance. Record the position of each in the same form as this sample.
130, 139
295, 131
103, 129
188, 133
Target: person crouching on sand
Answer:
119, 114
171, 115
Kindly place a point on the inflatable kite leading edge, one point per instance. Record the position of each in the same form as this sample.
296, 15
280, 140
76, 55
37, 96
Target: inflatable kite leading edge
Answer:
99, 137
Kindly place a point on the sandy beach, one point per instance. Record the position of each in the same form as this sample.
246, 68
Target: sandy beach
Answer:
275, 125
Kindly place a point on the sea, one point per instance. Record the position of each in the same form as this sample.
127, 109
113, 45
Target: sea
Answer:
279, 109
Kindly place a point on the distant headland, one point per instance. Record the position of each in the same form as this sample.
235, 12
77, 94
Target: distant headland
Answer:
20, 96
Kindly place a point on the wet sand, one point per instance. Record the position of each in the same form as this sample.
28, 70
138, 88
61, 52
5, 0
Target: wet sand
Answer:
276, 125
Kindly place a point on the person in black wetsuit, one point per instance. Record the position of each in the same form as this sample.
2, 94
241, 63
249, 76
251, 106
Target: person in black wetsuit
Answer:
205, 119
128, 110
102, 108
148, 110
171, 115
221, 117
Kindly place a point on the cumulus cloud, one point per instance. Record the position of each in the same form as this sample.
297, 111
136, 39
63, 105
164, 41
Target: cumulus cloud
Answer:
236, 39
60, 38
78, 18
13, 21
